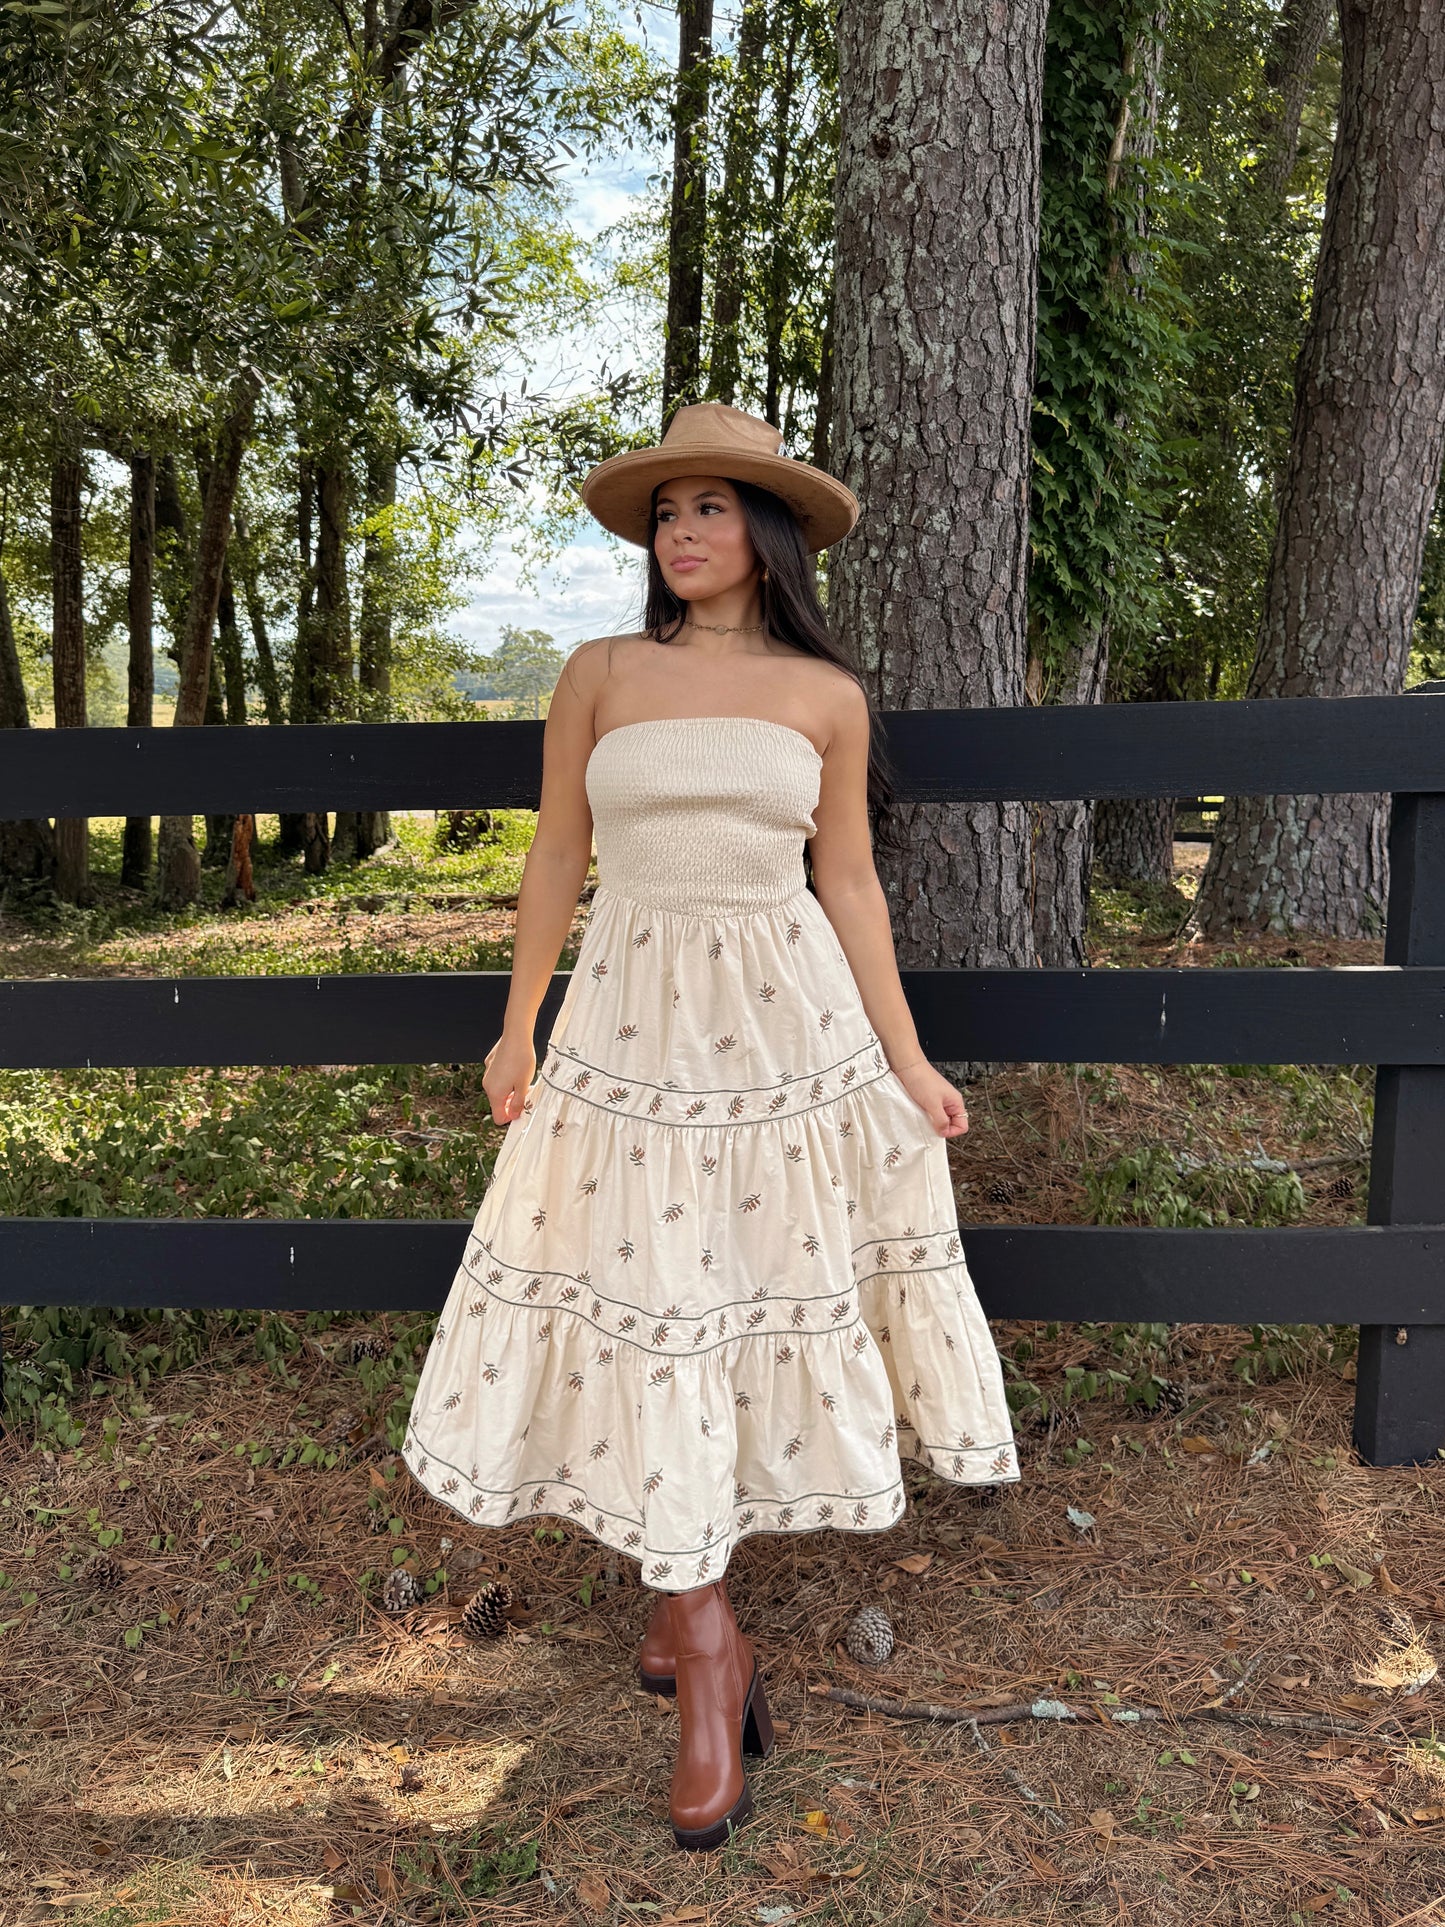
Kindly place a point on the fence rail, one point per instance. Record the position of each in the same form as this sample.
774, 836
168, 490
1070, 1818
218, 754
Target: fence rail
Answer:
1387, 1276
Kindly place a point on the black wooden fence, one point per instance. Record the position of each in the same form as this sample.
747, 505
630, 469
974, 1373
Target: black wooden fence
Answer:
1387, 1276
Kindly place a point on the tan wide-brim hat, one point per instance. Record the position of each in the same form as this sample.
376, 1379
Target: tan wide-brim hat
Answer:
710, 438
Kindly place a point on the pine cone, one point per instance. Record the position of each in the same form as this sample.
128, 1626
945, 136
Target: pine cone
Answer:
401, 1592
337, 1428
486, 1611
102, 1571
999, 1192
1341, 1187
869, 1638
1172, 1399
368, 1345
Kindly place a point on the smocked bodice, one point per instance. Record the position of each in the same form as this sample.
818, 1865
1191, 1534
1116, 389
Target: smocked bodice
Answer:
703, 814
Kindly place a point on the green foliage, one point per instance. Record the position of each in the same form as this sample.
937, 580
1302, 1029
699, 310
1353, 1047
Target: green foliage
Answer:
1110, 340
1157, 1186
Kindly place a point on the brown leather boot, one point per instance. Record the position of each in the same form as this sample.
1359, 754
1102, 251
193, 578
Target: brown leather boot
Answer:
723, 1711
657, 1664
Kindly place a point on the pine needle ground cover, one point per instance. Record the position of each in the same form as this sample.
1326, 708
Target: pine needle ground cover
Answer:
1184, 1671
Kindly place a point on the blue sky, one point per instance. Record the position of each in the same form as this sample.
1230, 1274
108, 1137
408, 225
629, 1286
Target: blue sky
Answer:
594, 586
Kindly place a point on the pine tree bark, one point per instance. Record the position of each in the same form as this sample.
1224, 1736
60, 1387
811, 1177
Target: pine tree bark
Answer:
687, 232
178, 864
934, 316
256, 620
297, 827
27, 845
1359, 489
373, 827
67, 650
1064, 829
731, 222
332, 627
135, 854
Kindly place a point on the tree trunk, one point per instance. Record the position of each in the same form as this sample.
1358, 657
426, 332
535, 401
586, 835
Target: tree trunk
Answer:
934, 313
332, 624
1294, 51
67, 649
135, 855
687, 233
256, 619
296, 829
1063, 828
27, 846
1360, 484
373, 827
776, 312
732, 217
178, 866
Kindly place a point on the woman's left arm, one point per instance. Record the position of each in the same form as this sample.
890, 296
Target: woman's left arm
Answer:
847, 886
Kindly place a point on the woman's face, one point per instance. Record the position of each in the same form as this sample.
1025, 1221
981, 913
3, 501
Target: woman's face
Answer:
702, 543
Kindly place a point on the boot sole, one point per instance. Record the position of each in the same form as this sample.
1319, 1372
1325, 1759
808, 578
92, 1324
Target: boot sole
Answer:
663, 1684
757, 1738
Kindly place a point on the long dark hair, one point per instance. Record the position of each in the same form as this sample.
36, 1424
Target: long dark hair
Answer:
791, 612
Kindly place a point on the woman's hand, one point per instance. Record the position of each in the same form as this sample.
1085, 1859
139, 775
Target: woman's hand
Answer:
935, 1097
511, 1065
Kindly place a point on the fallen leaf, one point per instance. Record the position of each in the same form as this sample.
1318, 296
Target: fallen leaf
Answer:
1197, 1444
387, 1884
1076, 1517
1384, 1582
683, 1913
592, 1890
1357, 1575
1316, 1903
848, 1873
20, 1771
1102, 1821
331, 1859
1358, 1703
1045, 1869
1428, 1813
445, 1739
987, 1544
914, 1562
817, 1822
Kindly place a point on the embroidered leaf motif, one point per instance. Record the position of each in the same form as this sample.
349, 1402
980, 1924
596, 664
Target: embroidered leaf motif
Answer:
632, 1539
825, 1020
599, 970
476, 1308
743, 1400
714, 949
825, 1513
660, 1376
539, 1217
839, 1310
793, 1153
860, 1513
626, 1249
568, 1293
604, 1357
490, 1373
798, 1314
652, 1482
696, 1109
618, 1093
451, 1401
476, 1505
794, 931
829, 1401
793, 1447
588, 1186
637, 1154
626, 1033
737, 1107
815, 1090
642, 937
785, 1518
531, 1288
707, 1261
599, 1449
574, 1379
707, 1164
761, 1291
659, 1337
725, 1043
767, 993
654, 1104
785, 1355
751, 1201
952, 1248
891, 1156
660, 1569
849, 1073
579, 1504
671, 1213
563, 1473
917, 1254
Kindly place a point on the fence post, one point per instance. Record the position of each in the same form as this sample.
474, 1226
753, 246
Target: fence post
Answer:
1400, 1391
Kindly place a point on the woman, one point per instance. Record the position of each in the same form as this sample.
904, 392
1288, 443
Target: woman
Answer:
715, 1286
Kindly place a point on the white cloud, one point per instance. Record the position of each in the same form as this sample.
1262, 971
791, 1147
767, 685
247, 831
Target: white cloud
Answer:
590, 590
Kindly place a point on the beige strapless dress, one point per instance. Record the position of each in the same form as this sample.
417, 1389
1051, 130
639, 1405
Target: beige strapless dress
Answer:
715, 1285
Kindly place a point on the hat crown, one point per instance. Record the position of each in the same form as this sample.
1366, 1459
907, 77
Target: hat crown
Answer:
717, 425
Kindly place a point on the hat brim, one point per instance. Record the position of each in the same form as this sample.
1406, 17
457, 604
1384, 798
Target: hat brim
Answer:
618, 492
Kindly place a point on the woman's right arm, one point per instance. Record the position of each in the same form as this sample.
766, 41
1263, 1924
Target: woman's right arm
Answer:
552, 877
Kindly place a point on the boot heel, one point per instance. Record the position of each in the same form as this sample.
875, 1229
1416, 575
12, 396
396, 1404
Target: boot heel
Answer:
758, 1733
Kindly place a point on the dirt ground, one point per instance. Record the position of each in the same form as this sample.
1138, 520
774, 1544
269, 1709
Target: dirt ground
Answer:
1183, 1672
208, 1717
